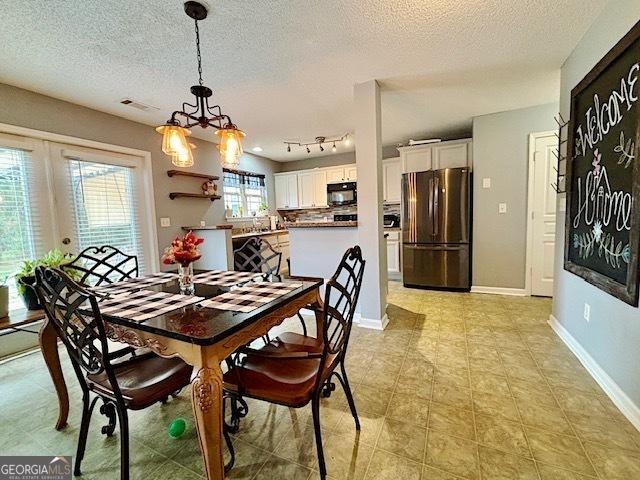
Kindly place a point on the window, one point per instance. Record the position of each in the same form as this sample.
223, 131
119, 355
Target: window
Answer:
245, 194
20, 237
104, 207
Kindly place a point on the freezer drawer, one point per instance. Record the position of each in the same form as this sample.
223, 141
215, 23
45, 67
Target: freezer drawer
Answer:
439, 266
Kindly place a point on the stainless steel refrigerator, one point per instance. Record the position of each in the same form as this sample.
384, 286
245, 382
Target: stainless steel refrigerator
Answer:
436, 228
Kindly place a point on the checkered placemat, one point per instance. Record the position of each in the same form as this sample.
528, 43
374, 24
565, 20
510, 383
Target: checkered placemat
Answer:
145, 304
249, 297
117, 288
224, 278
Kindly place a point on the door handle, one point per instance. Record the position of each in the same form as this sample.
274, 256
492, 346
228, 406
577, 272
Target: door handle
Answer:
436, 207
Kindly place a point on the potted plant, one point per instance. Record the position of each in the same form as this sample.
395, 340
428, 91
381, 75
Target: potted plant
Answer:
263, 210
4, 296
184, 251
25, 278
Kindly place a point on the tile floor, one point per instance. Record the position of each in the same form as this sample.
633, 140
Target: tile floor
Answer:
459, 386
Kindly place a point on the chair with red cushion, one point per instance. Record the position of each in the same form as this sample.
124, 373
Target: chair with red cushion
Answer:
293, 369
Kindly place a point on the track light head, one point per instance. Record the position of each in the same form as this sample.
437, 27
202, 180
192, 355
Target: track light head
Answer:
333, 149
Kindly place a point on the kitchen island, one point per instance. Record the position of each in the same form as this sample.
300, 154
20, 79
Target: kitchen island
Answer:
316, 248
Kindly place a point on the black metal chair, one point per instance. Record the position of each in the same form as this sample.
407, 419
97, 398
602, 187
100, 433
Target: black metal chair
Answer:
132, 384
293, 370
103, 265
258, 256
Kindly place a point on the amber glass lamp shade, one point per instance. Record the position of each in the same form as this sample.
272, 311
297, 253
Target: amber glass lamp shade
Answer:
174, 144
183, 158
230, 146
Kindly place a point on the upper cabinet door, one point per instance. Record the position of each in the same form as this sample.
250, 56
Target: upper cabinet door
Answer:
282, 191
351, 173
417, 160
335, 175
392, 179
306, 191
450, 156
320, 189
292, 191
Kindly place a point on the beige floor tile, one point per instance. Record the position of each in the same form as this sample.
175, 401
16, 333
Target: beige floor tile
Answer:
414, 386
494, 404
370, 426
452, 395
452, 420
276, 467
581, 403
404, 439
431, 473
602, 430
344, 458
559, 450
489, 382
387, 466
452, 454
496, 465
548, 472
532, 391
370, 399
614, 463
409, 408
502, 434
545, 417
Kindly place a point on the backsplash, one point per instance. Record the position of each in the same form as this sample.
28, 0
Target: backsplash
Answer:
319, 214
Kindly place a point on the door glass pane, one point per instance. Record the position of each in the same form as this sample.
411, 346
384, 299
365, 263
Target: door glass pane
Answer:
19, 229
105, 207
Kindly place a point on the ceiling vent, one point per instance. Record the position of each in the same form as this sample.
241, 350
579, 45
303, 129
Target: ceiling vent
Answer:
129, 102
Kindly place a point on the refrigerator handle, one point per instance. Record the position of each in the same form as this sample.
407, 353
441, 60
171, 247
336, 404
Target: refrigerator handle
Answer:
436, 207
430, 201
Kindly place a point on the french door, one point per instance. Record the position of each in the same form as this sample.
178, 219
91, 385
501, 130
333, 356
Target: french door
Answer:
70, 197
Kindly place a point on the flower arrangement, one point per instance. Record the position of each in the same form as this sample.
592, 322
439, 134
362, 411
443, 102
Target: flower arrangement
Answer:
183, 250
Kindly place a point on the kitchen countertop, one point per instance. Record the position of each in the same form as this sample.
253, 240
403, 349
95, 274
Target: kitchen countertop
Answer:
265, 233
209, 227
392, 229
321, 224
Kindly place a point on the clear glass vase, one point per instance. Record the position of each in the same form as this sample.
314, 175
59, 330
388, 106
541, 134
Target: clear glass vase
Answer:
185, 279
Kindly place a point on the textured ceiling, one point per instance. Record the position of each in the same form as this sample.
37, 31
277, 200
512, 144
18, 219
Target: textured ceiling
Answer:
285, 69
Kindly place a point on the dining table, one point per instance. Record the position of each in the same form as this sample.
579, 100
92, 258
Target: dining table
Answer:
234, 310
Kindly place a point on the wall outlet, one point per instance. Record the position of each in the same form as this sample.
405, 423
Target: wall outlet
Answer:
486, 183
502, 208
165, 222
202, 223
587, 312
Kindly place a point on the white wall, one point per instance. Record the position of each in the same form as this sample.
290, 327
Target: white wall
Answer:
612, 337
500, 152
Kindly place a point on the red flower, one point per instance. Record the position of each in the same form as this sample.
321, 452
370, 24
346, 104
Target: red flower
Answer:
183, 250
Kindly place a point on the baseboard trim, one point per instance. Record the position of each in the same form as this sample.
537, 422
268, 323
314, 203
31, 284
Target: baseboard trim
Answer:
610, 387
371, 323
516, 292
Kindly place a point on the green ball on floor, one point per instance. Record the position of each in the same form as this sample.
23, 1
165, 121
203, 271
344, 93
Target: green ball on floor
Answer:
177, 428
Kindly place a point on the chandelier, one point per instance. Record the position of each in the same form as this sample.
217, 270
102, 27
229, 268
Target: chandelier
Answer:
320, 141
200, 113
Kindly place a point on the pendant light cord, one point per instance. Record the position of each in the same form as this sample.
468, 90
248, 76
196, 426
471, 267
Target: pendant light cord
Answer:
199, 56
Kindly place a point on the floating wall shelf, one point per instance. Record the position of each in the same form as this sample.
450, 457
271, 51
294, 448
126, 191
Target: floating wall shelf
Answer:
174, 195
172, 173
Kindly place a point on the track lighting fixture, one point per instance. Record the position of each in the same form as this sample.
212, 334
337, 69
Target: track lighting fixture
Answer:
346, 138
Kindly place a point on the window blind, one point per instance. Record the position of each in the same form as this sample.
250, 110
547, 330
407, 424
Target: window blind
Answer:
21, 235
105, 207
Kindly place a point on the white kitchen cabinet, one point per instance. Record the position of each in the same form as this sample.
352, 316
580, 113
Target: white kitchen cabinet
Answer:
350, 173
286, 186
393, 253
391, 179
335, 174
312, 189
435, 156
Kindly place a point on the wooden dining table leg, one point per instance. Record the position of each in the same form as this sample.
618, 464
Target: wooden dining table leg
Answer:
207, 400
49, 348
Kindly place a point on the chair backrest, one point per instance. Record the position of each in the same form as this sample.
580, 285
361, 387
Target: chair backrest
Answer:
76, 317
102, 265
340, 298
258, 256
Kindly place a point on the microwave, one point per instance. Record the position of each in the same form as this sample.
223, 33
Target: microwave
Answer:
344, 193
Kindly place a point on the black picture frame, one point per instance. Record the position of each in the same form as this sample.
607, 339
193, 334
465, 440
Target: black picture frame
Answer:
625, 289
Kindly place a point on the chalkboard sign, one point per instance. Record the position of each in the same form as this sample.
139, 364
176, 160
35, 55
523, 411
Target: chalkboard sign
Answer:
602, 229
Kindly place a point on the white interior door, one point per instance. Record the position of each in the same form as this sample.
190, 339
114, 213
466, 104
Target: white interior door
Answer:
543, 210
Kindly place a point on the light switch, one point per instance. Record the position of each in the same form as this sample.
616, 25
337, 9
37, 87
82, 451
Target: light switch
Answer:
165, 222
502, 208
202, 223
486, 183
